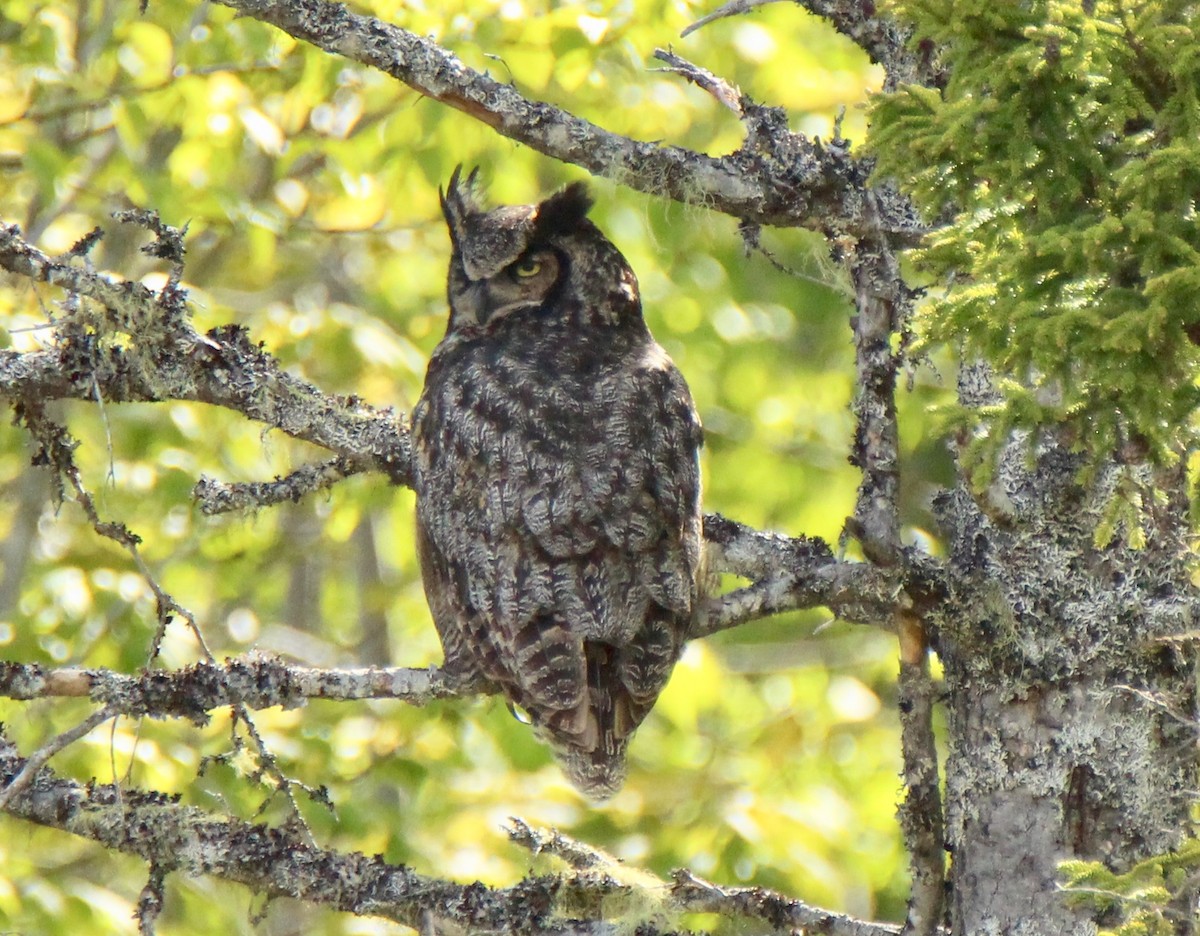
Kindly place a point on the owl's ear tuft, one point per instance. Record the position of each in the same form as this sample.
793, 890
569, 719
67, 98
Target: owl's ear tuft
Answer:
563, 210
460, 199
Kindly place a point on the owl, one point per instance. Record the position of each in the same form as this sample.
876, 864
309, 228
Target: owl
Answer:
557, 480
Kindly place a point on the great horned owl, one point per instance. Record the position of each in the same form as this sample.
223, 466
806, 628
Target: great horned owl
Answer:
558, 489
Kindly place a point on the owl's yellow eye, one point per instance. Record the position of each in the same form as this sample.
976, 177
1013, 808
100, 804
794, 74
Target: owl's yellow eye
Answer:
523, 269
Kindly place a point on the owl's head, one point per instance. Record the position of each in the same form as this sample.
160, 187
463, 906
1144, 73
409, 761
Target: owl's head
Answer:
544, 258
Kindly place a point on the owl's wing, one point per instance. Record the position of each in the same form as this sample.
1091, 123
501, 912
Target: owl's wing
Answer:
561, 558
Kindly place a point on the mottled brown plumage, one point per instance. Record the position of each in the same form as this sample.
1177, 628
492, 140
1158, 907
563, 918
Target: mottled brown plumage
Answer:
558, 490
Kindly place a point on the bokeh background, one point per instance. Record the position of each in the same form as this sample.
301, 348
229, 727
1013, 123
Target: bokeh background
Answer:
309, 188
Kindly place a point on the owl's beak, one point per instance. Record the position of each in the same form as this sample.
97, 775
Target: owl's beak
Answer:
471, 305
476, 304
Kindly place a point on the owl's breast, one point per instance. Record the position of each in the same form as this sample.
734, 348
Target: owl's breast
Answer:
593, 466
552, 393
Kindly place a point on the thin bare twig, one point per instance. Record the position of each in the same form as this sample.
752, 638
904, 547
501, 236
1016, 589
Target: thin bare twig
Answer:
732, 8
702, 78
37, 760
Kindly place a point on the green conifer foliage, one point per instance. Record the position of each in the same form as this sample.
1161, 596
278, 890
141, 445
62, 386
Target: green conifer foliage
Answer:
1063, 157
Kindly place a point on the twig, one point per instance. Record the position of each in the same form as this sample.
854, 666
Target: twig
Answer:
578, 855
719, 88
884, 39
216, 497
36, 760
751, 235
788, 574
56, 451
732, 8
783, 914
854, 592
882, 304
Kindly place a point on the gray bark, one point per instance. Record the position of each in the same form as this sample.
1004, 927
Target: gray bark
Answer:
1070, 695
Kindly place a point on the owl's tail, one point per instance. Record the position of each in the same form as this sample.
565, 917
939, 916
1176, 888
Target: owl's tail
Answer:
591, 749
622, 686
597, 774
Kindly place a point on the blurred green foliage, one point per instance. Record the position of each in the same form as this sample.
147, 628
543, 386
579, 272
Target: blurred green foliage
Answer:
309, 186
1063, 153
1145, 899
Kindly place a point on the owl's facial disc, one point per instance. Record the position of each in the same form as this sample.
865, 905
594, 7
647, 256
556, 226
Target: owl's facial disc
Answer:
523, 284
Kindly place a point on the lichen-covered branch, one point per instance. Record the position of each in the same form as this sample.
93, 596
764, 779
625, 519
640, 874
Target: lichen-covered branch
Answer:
276, 863
272, 861
217, 497
172, 361
781, 913
258, 682
922, 821
786, 180
789, 573
883, 303
691, 894
577, 855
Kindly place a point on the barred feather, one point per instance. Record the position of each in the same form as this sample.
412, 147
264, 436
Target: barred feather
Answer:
558, 487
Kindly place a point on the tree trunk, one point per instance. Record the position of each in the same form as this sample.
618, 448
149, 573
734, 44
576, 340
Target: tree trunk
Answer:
1071, 694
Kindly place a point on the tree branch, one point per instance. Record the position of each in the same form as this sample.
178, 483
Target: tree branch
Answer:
217, 497
786, 180
884, 304
279, 863
922, 821
172, 361
789, 574
782, 913
168, 360
258, 682
25, 776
